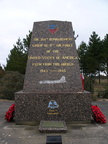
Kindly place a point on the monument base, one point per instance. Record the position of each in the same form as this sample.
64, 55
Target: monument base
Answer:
53, 126
31, 108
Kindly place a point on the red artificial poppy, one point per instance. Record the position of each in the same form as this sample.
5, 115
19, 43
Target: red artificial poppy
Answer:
98, 115
10, 113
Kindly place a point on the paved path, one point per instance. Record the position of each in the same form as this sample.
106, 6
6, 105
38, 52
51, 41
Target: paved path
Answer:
79, 134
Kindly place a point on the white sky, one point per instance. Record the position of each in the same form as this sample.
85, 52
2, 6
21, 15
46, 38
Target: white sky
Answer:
17, 18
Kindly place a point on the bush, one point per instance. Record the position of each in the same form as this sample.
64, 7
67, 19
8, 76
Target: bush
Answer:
2, 72
8, 94
10, 83
106, 94
103, 94
88, 83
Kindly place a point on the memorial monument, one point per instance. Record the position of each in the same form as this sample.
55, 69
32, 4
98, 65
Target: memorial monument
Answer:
52, 87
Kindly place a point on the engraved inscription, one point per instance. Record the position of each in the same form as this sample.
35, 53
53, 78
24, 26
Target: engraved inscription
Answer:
62, 80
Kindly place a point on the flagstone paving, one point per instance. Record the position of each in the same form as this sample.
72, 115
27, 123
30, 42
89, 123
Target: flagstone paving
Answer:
76, 134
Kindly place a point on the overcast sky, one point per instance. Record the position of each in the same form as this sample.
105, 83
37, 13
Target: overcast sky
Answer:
17, 18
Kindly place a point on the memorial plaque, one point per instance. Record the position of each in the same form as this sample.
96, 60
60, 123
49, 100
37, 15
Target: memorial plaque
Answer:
54, 139
52, 60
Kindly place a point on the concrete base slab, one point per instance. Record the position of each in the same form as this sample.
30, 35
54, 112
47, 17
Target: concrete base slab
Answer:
53, 126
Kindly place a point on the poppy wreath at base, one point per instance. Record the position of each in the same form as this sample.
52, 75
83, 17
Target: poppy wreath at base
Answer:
10, 113
98, 115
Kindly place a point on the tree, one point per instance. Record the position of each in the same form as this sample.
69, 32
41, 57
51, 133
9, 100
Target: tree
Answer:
105, 55
17, 58
26, 42
2, 72
84, 62
82, 50
94, 55
91, 58
75, 37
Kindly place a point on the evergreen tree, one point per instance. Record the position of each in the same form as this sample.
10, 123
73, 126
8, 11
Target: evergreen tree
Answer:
2, 72
26, 42
82, 50
94, 54
105, 54
17, 58
90, 57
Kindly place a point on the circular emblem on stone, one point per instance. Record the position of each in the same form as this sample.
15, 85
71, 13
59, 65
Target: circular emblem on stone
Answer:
53, 104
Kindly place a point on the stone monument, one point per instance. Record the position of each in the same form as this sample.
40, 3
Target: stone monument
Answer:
52, 87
